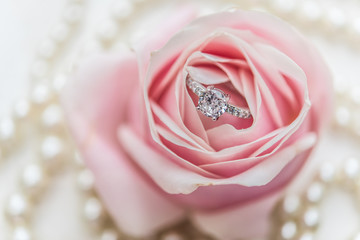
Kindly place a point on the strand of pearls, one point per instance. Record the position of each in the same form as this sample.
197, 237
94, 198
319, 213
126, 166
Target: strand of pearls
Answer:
298, 217
348, 102
42, 111
39, 118
93, 209
341, 21
52, 149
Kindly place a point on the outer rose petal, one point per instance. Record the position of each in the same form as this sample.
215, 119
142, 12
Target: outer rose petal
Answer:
251, 219
174, 179
245, 221
95, 106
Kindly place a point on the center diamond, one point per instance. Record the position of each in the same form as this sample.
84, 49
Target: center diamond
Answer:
213, 103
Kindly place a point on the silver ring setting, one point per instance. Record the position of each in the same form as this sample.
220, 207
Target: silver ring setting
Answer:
213, 102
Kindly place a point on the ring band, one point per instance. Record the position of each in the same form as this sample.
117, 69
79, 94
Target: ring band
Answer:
213, 102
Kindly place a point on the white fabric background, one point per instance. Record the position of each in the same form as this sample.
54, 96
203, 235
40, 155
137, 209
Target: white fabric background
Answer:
24, 23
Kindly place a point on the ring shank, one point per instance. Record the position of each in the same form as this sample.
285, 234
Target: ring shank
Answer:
238, 112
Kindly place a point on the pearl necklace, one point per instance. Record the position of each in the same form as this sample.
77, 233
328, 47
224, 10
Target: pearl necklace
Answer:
41, 115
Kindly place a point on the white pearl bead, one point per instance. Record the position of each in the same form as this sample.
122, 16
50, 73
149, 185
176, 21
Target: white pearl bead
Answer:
291, 204
52, 116
59, 82
22, 109
79, 161
356, 123
352, 168
288, 230
32, 176
307, 236
354, 29
60, 33
172, 236
17, 206
93, 209
315, 192
311, 217
7, 129
336, 18
39, 69
21, 233
342, 116
310, 11
108, 31
40, 94
284, 6
355, 94
109, 234
327, 172
85, 180
341, 87
122, 9
73, 13
51, 150
47, 49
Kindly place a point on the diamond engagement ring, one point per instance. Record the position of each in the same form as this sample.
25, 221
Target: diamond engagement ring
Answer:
213, 102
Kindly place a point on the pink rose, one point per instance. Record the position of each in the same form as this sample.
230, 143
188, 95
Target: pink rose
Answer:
156, 159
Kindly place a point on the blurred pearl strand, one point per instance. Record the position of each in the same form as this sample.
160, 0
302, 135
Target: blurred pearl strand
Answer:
40, 117
42, 110
298, 216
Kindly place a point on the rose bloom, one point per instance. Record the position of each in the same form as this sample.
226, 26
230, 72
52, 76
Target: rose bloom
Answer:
157, 160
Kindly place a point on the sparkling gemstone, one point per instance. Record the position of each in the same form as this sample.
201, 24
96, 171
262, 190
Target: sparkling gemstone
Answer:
231, 109
213, 103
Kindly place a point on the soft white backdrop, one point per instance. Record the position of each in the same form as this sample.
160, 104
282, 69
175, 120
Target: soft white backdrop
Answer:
23, 24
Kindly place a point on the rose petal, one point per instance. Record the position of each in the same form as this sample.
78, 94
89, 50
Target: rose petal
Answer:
245, 221
174, 179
